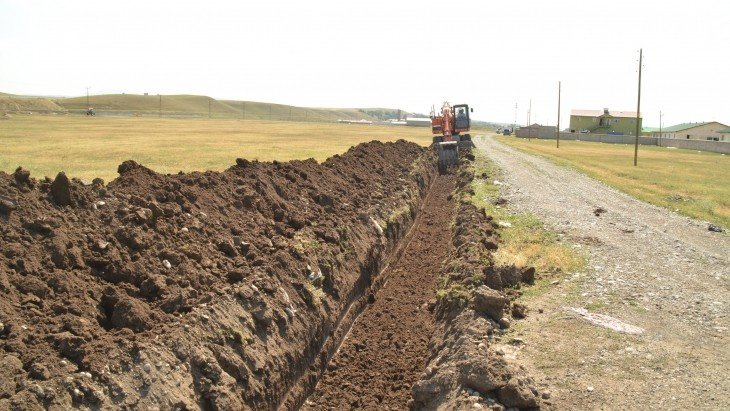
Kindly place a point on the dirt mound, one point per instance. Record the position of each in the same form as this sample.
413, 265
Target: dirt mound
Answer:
467, 369
201, 290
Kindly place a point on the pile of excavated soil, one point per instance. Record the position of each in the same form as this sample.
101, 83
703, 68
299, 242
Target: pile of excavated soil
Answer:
202, 290
387, 347
467, 367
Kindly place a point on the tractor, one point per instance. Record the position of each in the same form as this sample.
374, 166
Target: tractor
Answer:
448, 126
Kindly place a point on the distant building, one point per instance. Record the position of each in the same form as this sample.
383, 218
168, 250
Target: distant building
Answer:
418, 122
604, 121
361, 121
696, 131
536, 131
396, 122
725, 134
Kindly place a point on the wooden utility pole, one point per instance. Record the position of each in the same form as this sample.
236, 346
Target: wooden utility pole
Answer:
243, 110
660, 128
209, 112
269, 112
529, 120
160, 112
558, 138
638, 115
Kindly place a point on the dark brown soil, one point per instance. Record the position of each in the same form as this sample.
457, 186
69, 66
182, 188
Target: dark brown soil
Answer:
233, 290
387, 347
194, 291
467, 367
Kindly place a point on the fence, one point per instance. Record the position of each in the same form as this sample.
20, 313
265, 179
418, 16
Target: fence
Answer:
274, 114
701, 145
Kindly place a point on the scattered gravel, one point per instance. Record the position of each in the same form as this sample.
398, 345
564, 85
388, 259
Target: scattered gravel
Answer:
648, 266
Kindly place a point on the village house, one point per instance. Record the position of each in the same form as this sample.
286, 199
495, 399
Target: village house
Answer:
536, 131
603, 122
696, 131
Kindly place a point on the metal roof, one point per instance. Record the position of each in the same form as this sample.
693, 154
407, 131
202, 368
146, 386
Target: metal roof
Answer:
599, 113
685, 126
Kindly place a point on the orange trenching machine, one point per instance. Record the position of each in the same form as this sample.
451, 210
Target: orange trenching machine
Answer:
448, 127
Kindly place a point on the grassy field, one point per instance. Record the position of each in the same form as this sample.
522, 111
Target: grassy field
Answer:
526, 241
88, 147
694, 183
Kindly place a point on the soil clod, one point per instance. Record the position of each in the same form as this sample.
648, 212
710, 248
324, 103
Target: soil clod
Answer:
61, 190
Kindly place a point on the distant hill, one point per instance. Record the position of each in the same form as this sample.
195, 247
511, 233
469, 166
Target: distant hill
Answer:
11, 103
185, 105
189, 106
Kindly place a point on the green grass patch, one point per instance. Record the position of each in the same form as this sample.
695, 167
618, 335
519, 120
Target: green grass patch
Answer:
454, 293
527, 242
691, 182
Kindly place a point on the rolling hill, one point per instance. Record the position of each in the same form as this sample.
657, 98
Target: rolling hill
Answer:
188, 106
12, 103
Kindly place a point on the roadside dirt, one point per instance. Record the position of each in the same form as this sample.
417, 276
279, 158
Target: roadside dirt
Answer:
648, 267
469, 364
192, 291
387, 347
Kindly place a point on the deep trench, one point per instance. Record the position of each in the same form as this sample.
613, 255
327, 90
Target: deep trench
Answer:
386, 348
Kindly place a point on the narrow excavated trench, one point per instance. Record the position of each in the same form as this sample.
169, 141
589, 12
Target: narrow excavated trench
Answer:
386, 348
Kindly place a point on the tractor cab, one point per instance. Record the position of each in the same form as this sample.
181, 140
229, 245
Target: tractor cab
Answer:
450, 127
461, 116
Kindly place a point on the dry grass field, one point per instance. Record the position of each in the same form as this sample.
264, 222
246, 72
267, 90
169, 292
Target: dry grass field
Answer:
691, 182
88, 147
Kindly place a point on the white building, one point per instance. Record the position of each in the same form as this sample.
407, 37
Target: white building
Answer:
695, 131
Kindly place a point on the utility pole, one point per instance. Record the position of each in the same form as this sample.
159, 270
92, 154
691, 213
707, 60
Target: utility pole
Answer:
289, 113
243, 110
515, 123
558, 139
660, 128
269, 112
87, 98
529, 120
160, 113
209, 112
638, 116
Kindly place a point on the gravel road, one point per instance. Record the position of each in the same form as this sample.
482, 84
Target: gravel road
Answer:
648, 267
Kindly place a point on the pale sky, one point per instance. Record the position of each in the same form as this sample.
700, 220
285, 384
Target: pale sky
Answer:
395, 54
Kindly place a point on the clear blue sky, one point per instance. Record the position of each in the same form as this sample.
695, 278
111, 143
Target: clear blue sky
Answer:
398, 54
